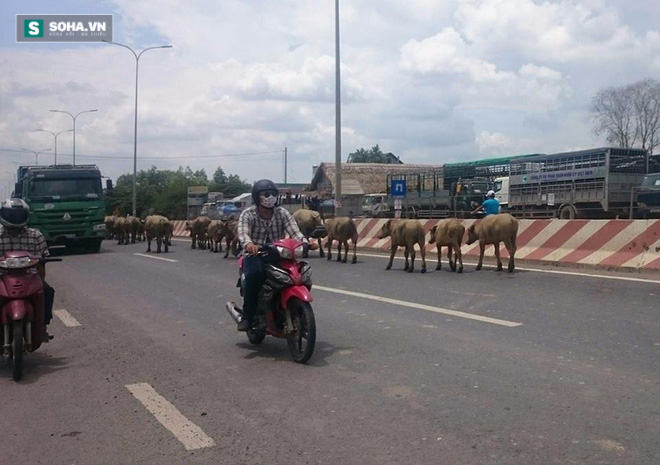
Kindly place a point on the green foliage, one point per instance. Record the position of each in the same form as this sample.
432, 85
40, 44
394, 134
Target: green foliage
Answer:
164, 192
373, 155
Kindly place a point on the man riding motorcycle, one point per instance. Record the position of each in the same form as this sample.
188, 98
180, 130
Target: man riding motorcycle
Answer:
15, 235
258, 225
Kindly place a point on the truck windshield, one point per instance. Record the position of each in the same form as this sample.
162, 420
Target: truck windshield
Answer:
65, 189
367, 201
497, 186
651, 181
479, 187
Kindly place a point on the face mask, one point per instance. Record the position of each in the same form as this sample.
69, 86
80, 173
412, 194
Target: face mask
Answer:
268, 202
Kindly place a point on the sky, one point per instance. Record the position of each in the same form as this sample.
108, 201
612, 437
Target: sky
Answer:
431, 81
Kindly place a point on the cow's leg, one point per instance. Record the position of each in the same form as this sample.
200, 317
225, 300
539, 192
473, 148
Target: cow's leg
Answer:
497, 256
438, 249
345, 251
355, 240
412, 259
321, 253
159, 241
422, 251
148, 244
392, 253
512, 251
194, 241
482, 249
459, 257
452, 263
406, 253
339, 250
228, 247
329, 244
166, 242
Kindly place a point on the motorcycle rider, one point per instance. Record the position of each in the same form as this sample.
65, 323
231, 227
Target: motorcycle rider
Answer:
15, 235
491, 205
261, 224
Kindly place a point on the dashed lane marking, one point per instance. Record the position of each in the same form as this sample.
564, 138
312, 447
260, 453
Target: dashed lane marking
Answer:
189, 434
156, 258
66, 318
428, 308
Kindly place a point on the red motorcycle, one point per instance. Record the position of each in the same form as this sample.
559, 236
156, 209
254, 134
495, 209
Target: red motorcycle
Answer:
21, 307
284, 309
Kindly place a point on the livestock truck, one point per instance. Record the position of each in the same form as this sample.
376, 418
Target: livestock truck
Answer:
648, 197
595, 183
66, 203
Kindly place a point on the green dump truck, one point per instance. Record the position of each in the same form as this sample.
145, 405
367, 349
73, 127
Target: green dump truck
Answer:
66, 203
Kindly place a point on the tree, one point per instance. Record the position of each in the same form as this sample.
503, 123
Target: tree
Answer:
629, 116
373, 155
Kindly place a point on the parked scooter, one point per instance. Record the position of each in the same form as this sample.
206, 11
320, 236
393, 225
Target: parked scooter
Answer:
284, 309
21, 307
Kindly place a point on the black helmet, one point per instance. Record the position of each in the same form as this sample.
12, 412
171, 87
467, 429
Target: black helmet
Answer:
14, 213
261, 186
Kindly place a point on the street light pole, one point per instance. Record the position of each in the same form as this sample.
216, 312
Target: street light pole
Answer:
74, 127
137, 62
36, 154
55, 134
338, 206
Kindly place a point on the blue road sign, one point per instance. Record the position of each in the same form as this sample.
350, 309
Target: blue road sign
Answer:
398, 188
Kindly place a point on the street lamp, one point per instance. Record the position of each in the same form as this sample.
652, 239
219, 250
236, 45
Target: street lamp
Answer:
137, 61
55, 134
74, 127
36, 154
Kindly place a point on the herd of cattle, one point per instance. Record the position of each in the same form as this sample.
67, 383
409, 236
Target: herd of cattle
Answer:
209, 234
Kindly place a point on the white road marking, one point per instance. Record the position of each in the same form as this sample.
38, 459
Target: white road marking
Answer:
188, 433
181, 240
156, 258
538, 270
428, 308
66, 318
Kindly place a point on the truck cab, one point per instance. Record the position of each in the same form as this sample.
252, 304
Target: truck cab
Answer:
501, 188
66, 203
375, 206
648, 198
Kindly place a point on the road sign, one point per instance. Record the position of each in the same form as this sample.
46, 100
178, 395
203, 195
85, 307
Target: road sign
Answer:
398, 188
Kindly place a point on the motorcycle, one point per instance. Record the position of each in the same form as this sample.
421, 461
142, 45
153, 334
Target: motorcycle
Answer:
22, 307
284, 309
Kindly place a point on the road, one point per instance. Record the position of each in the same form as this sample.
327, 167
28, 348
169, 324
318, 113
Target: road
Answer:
478, 368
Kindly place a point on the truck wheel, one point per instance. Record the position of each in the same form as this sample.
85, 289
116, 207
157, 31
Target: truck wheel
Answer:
567, 212
94, 246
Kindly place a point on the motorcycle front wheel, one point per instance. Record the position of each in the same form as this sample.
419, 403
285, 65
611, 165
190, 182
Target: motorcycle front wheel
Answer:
17, 351
302, 341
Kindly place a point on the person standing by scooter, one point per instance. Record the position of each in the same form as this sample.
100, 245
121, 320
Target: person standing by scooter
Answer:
15, 235
258, 225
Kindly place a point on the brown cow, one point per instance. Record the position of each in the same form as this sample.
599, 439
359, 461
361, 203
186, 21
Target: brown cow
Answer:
198, 229
449, 233
229, 231
492, 230
109, 227
308, 222
405, 233
341, 229
157, 227
121, 228
213, 234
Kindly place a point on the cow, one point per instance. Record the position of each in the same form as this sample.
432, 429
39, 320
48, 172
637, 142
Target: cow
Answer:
492, 230
157, 227
405, 233
310, 224
341, 229
109, 222
229, 231
198, 230
449, 233
121, 229
134, 226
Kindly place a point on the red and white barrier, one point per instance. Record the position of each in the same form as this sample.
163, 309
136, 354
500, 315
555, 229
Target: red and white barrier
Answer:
632, 244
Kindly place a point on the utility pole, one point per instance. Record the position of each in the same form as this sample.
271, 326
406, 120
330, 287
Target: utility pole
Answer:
285, 165
338, 207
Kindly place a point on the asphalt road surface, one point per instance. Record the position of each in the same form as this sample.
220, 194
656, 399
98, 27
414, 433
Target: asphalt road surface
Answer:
481, 368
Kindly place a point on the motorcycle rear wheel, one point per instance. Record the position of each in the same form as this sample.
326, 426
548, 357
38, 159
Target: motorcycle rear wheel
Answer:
17, 351
301, 343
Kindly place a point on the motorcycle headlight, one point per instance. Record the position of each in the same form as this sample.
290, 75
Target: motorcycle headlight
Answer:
284, 252
279, 275
14, 263
299, 251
